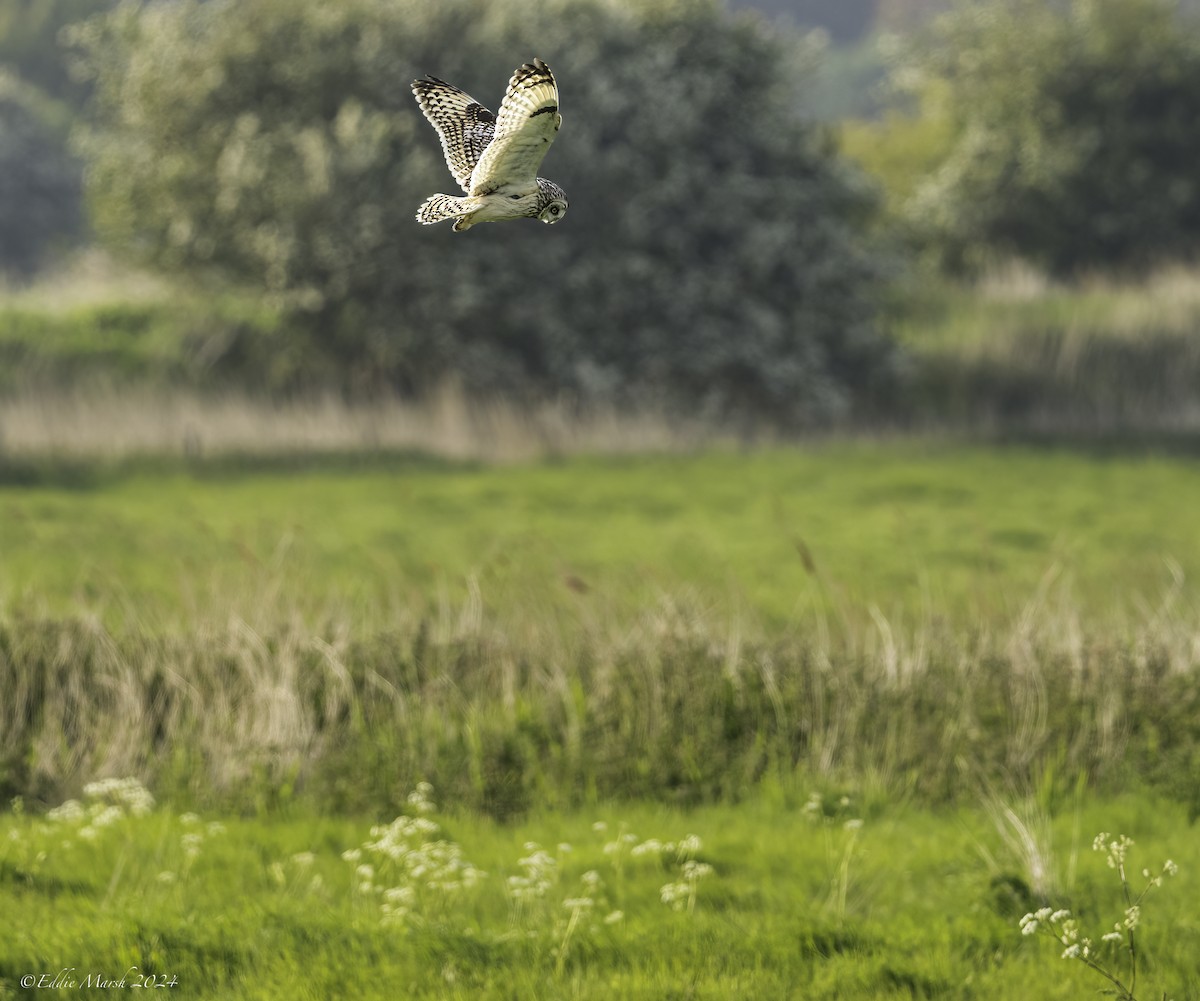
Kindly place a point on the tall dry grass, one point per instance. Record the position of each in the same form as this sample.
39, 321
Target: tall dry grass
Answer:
1016, 352
670, 702
121, 424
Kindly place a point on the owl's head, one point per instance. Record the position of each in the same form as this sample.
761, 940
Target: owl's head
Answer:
552, 203
554, 212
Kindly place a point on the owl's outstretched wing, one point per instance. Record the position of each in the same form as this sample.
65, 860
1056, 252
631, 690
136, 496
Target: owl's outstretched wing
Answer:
527, 124
463, 124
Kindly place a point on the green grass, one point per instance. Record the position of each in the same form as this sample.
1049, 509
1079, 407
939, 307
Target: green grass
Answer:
917, 530
915, 904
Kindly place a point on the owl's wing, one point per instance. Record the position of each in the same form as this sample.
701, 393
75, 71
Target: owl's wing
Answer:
527, 124
463, 124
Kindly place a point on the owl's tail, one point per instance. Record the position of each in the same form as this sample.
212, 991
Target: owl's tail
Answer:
436, 208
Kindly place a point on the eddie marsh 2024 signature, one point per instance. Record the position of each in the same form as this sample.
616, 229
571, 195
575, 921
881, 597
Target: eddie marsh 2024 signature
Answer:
72, 979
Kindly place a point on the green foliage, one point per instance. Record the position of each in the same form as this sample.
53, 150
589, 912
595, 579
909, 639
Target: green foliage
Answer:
1075, 133
899, 151
30, 42
712, 259
40, 182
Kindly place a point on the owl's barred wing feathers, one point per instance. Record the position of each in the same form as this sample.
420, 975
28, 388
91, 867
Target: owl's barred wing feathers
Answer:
464, 125
527, 124
495, 158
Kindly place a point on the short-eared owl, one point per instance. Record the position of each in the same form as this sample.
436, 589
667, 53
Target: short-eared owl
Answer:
495, 158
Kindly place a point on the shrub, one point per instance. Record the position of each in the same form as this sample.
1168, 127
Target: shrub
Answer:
29, 43
1075, 146
713, 251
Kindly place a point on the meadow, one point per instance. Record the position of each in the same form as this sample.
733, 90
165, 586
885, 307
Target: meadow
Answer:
704, 717
980, 654
782, 897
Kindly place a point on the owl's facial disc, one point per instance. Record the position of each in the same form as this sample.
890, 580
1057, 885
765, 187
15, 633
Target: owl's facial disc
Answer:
553, 212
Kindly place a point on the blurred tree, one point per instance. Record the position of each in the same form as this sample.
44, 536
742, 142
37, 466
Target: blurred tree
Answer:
851, 82
40, 185
904, 15
1075, 140
29, 42
711, 258
845, 20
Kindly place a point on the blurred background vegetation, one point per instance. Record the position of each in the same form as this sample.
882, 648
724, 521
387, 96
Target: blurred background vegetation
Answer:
767, 202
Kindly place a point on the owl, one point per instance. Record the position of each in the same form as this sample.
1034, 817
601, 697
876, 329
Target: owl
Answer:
495, 157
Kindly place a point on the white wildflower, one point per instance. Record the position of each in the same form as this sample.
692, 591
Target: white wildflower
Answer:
70, 812
419, 799
674, 895
651, 846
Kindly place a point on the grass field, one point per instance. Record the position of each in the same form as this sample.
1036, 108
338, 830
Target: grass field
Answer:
919, 531
916, 616
284, 615
680, 644
853, 899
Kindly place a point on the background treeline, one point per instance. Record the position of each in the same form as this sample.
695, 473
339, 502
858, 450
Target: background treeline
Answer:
726, 255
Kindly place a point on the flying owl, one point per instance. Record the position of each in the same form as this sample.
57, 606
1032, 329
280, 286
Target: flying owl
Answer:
495, 158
